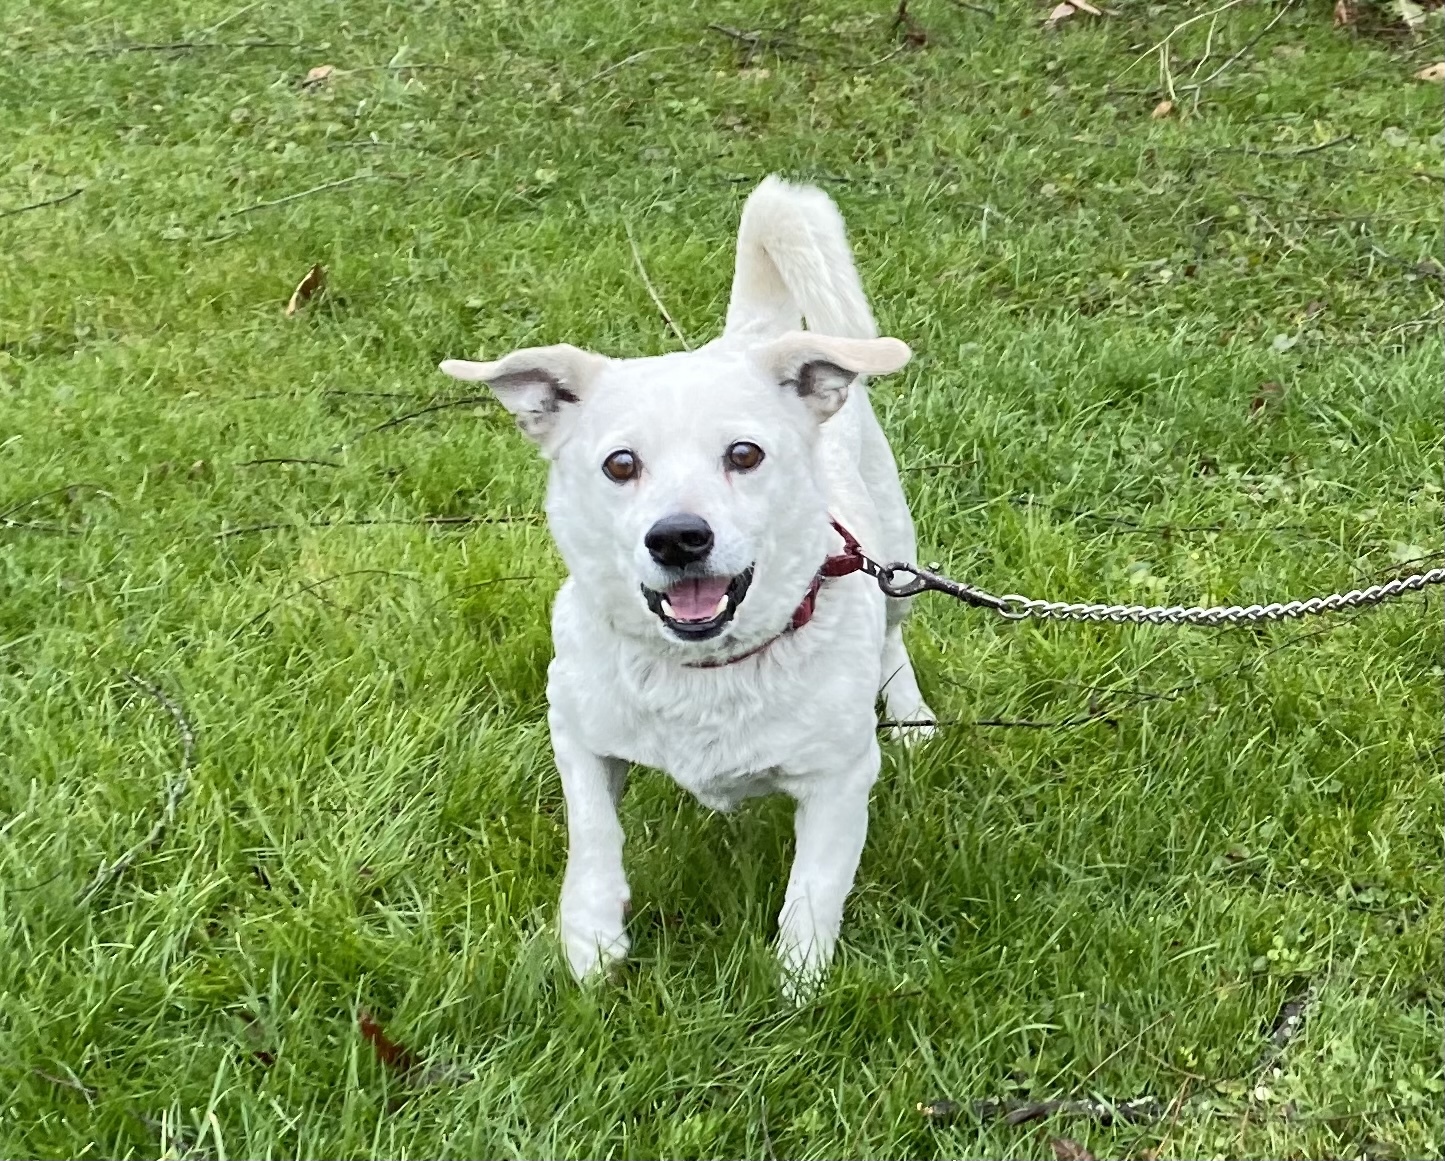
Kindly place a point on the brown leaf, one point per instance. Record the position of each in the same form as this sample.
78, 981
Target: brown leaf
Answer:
1162, 110
1267, 396
319, 75
1344, 13
1434, 72
394, 1056
1061, 12
1067, 1149
315, 279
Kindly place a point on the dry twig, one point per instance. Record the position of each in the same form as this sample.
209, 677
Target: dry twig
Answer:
652, 290
623, 63
175, 791
179, 46
288, 460
75, 193
1198, 86
397, 420
304, 193
361, 521
67, 1082
326, 580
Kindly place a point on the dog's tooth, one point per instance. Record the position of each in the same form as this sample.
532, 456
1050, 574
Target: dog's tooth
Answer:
722, 605
667, 608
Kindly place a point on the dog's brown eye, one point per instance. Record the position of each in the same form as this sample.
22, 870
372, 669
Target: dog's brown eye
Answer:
621, 466
744, 456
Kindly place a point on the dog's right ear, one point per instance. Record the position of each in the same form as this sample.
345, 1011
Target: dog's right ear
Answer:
537, 384
820, 368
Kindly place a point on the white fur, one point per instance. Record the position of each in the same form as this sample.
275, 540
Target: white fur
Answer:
797, 717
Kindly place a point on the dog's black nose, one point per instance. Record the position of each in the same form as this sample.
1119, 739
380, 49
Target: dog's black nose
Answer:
678, 540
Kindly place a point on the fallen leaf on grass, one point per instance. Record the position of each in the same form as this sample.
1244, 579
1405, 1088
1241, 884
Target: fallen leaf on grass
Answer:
394, 1056
1344, 13
1267, 396
319, 75
1061, 12
1434, 72
1067, 1149
315, 279
404, 1064
1162, 110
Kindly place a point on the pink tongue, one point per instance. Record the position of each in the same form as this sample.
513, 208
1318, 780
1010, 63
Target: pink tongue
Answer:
695, 600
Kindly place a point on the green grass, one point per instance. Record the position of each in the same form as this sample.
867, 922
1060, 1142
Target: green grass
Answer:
1116, 908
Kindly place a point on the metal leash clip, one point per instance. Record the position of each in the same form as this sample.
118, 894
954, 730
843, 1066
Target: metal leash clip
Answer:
920, 580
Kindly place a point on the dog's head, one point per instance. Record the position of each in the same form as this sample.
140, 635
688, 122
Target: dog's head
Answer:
685, 495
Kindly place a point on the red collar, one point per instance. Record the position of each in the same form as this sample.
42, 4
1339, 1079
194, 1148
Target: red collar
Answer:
840, 564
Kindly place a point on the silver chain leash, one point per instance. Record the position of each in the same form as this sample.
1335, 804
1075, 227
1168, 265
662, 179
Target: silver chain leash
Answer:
1018, 608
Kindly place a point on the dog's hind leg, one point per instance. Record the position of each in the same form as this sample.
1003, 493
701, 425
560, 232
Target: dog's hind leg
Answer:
902, 699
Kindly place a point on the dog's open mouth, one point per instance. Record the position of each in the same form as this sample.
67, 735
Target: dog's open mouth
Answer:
696, 608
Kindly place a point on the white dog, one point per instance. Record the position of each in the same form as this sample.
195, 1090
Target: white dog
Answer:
709, 627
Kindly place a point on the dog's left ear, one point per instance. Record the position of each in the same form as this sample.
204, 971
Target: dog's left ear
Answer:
539, 385
820, 368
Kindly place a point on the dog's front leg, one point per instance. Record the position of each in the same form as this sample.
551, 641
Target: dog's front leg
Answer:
594, 889
831, 824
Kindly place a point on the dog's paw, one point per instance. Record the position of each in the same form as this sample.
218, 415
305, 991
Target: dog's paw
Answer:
915, 726
592, 952
803, 959
594, 930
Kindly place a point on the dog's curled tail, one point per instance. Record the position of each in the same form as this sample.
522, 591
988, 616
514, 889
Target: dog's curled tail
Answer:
794, 261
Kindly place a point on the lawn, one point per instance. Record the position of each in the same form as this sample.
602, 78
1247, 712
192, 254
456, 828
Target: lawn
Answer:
1192, 356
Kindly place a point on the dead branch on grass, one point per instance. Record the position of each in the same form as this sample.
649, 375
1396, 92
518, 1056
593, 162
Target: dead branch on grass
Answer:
652, 290
67, 1082
175, 791
755, 41
326, 580
365, 521
397, 420
67, 490
288, 460
1017, 1112
356, 177
75, 193
623, 63
1162, 45
1198, 86
1299, 152
1027, 500
178, 46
